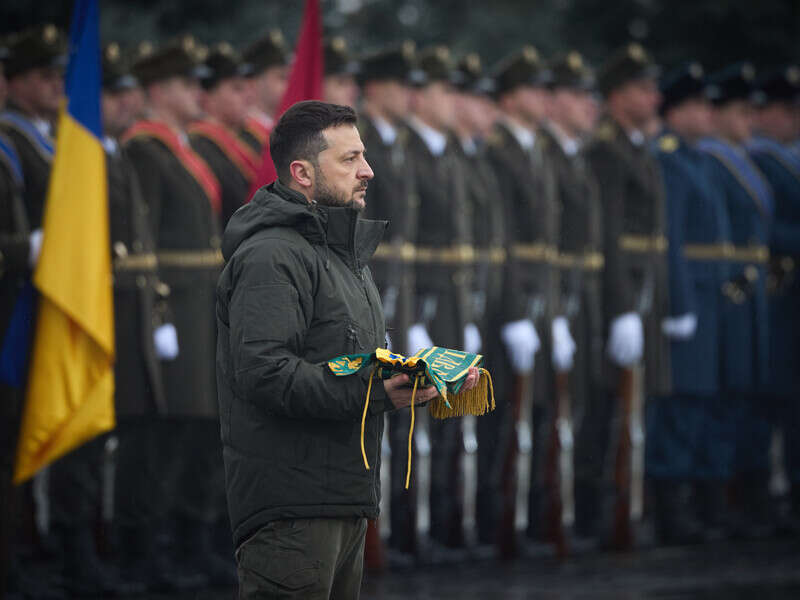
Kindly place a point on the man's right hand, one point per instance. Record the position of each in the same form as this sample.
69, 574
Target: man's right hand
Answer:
399, 392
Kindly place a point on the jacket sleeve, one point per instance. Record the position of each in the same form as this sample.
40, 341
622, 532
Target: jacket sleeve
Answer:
677, 190
270, 311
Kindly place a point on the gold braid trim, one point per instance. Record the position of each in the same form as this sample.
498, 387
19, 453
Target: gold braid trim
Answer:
478, 401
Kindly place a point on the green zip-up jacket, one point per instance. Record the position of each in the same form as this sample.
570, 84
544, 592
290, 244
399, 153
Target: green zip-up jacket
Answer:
296, 292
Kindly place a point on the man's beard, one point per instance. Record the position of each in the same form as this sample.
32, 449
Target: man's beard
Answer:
326, 196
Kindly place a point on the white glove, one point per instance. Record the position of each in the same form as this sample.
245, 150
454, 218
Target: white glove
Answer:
388, 342
522, 342
35, 241
165, 339
626, 339
418, 338
563, 345
472, 338
680, 328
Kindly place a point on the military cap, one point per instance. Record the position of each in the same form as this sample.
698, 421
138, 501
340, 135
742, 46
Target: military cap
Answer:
468, 76
432, 65
629, 63
337, 57
734, 82
681, 83
181, 58
267, 51
781, 84
223, 62
37, 47
117, 74
571, 71
391, 63
522, 68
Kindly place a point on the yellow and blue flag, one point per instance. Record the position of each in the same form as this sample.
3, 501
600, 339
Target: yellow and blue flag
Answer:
71, 380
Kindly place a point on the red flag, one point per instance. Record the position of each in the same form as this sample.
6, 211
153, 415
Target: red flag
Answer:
305, 80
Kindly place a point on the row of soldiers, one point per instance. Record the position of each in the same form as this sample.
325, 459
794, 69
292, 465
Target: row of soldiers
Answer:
602, 241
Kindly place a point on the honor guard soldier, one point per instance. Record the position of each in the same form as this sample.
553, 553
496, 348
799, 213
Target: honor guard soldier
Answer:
526, 191
268, 79
777, 127
635, 289
143, 337
184, 204
749, 202
685, 443
571, 121
383, 78
339, 84
233, 162
475, 107
18, 253
443, 260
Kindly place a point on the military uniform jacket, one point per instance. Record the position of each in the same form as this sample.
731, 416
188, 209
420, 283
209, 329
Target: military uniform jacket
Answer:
391, 196
634, 243
485, 211
14, 232
699, 231
139, 297
745, 327
233, 162
782, 170
186, 230
580, 261
35, 151
527, 188
443, 252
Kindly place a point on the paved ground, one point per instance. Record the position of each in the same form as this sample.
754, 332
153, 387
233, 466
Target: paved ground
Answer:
763, 570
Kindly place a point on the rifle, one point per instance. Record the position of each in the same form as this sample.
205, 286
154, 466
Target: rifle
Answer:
516, 469
622, 534
559, 469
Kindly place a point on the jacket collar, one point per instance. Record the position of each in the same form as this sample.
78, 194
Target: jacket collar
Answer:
339, 228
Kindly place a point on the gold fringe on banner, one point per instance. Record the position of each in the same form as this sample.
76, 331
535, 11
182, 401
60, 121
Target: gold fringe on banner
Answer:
477, 401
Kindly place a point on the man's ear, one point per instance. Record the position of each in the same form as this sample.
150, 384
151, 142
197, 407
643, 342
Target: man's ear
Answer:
302, 172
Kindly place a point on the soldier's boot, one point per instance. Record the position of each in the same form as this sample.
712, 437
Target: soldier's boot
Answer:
195, 542
756, 520
84, 574
145, 561
675, 523
713, 509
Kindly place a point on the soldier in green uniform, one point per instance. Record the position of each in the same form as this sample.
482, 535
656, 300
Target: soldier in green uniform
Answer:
475, 108
572, 117
214, 137
184, 204
527, 189
635, 286
269, 59
339, 84
383, 78
443, 261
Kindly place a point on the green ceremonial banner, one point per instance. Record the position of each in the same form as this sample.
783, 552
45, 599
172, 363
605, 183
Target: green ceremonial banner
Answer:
442, 368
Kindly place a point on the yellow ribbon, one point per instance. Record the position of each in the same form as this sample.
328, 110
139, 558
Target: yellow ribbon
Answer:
411, 431
364, 418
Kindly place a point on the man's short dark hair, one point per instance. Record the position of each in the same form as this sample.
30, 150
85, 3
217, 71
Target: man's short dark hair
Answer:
298, 133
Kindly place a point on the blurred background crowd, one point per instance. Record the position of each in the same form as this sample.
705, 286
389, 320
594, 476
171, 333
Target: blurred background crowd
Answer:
618, 235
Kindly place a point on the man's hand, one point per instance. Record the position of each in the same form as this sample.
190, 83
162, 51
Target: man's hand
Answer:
399, 392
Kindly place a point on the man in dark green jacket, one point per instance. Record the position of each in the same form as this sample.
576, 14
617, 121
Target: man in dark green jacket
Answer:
294, 293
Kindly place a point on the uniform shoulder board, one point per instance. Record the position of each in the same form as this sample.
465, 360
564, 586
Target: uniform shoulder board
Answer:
668, 143
605, 132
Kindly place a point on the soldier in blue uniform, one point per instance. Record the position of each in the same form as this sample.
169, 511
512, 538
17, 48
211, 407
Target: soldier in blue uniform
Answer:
749, 202
777, 127
685, 444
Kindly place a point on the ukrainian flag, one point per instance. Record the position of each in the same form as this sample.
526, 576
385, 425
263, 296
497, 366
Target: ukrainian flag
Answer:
71, 379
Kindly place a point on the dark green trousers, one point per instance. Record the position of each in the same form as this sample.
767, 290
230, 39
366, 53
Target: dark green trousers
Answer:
313, 559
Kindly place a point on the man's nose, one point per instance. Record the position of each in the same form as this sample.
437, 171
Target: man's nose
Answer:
365, 172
